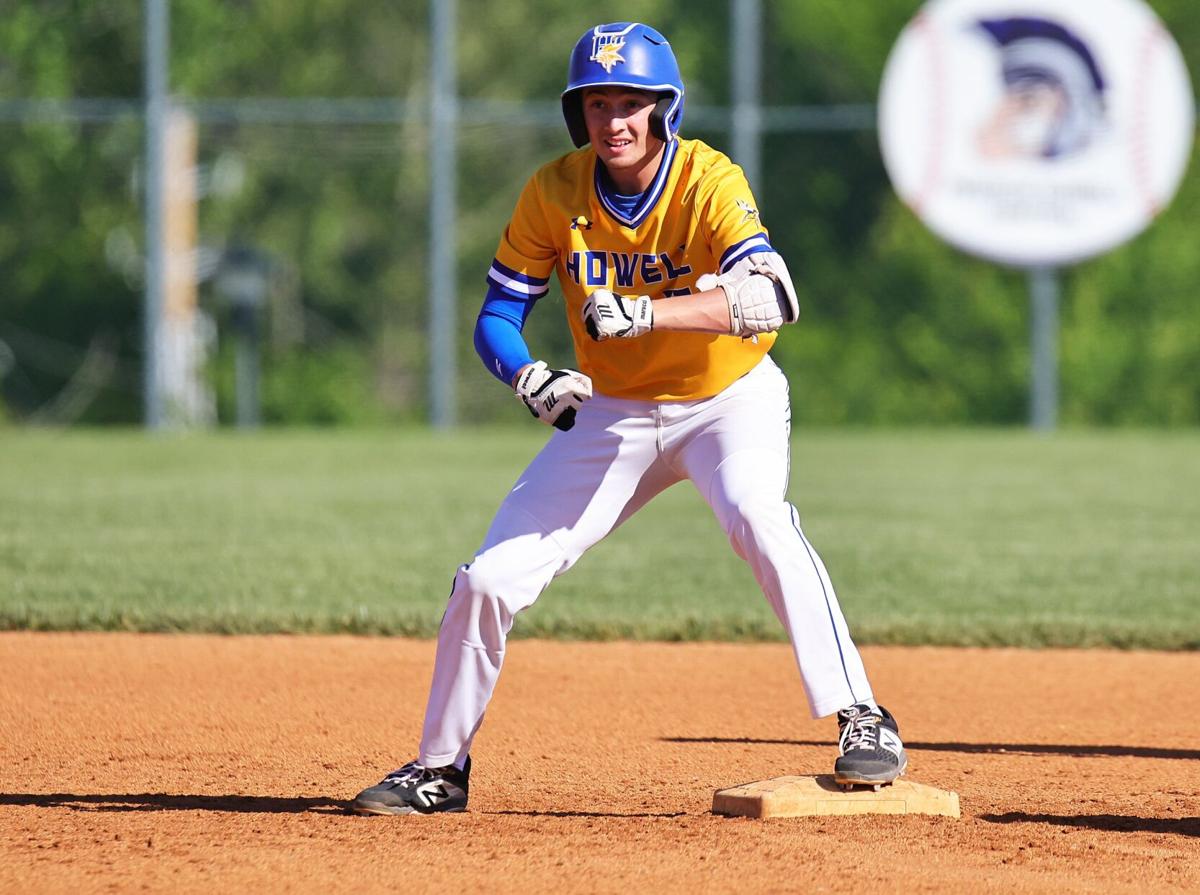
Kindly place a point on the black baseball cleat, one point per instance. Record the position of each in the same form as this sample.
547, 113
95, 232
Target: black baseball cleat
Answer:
416, 789
870, 752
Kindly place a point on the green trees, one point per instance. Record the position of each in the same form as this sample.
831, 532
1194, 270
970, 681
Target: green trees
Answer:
898, 328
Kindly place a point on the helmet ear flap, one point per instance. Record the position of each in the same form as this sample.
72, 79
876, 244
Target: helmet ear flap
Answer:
572, 106
658, 118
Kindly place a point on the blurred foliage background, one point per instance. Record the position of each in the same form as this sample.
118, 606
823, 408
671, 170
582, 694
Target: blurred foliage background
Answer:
900, 329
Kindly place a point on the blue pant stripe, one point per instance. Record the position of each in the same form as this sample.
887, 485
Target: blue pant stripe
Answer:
828, 608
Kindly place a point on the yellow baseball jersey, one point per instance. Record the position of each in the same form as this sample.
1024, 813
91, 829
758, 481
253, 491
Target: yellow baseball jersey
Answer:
697, 217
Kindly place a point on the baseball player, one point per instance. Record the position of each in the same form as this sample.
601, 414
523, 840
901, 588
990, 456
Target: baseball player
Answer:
673, 296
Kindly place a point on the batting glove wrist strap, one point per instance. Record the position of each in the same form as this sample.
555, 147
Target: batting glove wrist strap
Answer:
553, 396
610, 316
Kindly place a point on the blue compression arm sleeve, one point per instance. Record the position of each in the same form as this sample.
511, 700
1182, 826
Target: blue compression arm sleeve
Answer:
498, 340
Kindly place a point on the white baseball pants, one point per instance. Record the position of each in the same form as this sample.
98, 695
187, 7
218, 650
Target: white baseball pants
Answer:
585, 482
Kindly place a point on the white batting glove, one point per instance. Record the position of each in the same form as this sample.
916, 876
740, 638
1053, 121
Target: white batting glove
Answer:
553, 396
610, 316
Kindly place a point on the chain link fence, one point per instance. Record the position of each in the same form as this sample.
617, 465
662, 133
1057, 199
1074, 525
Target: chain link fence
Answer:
329, 198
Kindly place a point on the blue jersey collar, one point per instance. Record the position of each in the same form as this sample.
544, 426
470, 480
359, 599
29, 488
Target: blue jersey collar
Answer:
648, 199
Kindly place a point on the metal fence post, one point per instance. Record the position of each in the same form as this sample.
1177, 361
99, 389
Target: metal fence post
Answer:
745, 88
155, 74
443, 156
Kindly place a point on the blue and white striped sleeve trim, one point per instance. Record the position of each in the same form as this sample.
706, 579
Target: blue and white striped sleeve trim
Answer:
516, 284
748, 246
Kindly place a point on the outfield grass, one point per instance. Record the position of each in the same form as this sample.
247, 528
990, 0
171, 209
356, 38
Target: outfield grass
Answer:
931, 537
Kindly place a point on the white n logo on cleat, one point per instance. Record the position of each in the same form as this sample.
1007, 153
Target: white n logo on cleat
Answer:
433, 793
889, 741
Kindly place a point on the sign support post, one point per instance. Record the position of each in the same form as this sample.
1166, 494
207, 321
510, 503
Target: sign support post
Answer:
1043, 343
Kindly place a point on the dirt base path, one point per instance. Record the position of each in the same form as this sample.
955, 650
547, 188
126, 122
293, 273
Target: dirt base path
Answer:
131, 762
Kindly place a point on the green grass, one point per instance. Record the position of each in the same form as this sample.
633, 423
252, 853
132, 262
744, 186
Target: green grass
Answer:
997, 537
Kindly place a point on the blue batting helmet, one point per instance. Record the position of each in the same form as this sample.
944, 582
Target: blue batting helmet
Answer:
624, 54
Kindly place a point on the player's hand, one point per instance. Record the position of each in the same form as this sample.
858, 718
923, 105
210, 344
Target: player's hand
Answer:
610, 316
553, 396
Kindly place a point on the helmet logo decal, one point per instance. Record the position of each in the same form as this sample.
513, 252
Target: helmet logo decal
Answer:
606, 50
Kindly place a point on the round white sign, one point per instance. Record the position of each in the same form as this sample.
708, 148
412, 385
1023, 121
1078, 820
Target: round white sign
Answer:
1036, 134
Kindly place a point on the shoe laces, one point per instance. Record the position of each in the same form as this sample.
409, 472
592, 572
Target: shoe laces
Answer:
860, 729
413, 772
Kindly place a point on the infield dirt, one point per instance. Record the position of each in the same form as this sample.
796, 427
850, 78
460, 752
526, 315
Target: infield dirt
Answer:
188, 763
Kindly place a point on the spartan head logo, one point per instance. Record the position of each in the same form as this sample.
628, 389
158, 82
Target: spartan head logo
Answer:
1053, 104
606, 48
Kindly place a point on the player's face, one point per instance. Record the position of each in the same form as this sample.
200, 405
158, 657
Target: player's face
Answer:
618, 124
